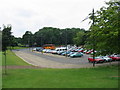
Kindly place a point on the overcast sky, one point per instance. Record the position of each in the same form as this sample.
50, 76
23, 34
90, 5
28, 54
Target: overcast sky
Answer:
32, 15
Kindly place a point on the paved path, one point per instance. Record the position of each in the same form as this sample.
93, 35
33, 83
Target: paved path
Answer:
53, 61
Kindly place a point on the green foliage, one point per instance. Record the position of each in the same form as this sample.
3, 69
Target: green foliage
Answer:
27, 38
106, 29
6, 37
50, 35
81, 37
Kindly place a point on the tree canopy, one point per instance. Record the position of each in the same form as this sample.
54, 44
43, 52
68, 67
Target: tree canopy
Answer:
106, 28
6, 37
50, 35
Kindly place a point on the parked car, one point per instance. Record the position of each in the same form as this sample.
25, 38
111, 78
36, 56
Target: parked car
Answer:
70, 53
115, 57
76, 54
96, 60
85, 51
46, 50
49, 51
60, 52
34, 49
54, 52
81, 50
106, 58
65, 53
37, 49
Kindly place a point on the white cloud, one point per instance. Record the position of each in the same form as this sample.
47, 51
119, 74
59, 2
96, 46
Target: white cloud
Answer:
35, 14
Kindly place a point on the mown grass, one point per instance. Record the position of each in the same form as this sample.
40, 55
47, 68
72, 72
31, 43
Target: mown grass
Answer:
101, 77
98, 77
12, 59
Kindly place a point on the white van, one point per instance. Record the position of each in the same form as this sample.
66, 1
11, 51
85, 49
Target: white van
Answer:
61, 49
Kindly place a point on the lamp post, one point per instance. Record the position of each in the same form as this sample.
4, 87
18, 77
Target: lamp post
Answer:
66, 41
93, 38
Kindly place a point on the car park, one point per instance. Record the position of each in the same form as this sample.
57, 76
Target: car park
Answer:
78, 52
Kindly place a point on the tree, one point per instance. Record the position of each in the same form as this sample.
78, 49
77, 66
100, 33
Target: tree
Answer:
106, 28
80, 38
27, 38
6, 40
50, 35
18, 40
6, 37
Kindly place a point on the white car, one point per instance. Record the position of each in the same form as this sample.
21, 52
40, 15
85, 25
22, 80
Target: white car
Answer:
54, 52
60, 52
44, 50
106, 58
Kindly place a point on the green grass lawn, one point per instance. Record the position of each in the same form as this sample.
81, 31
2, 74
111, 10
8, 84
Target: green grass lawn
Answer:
98, 77
101, 77
12, 59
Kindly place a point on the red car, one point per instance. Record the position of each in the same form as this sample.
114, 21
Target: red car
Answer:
96, 60
115, 57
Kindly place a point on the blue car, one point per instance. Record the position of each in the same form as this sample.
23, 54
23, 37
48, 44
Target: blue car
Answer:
76, 54
66, 52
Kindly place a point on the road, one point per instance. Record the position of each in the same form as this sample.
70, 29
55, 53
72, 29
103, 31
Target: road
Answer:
52, 61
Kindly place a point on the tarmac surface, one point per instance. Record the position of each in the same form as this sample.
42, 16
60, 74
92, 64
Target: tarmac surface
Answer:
48, 60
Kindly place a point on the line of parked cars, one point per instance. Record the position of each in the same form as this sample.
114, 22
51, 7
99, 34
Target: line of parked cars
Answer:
108, 58
64, 51
79, 52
